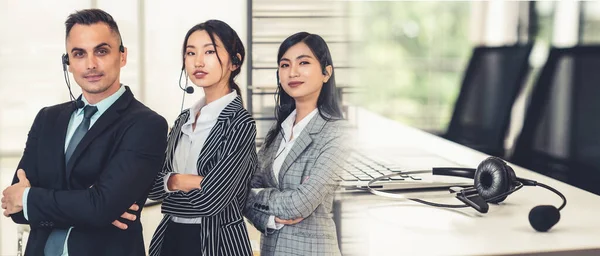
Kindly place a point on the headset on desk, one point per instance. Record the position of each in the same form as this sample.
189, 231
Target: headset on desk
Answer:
494, 180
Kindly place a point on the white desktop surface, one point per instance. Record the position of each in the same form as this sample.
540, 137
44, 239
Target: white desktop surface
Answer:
373, 225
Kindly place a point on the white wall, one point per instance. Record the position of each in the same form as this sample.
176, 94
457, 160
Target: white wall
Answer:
566, 24
494, 23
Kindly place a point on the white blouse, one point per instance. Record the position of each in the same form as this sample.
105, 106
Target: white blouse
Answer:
192, 140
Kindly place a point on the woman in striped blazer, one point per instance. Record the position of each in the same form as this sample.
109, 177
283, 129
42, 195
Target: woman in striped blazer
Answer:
210, 154
292, 191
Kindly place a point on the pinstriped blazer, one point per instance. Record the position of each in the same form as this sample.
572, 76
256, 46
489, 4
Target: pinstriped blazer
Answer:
305, 188
227, 161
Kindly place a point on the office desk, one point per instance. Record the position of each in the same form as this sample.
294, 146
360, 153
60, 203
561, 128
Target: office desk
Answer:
372, 225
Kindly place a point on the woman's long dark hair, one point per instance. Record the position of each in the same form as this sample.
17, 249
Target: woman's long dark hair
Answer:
328, 101
231, 42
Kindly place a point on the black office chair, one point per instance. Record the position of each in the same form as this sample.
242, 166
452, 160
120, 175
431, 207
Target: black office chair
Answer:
561, 131
492, 81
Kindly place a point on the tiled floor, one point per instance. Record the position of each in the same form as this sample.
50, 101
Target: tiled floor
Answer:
150, 217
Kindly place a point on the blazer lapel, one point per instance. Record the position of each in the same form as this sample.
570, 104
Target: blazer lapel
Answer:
313, 127
173, 141
269, 154
217, 133
62, 123
108, 118
210, 146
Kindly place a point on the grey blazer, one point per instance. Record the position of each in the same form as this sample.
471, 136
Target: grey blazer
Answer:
305, 189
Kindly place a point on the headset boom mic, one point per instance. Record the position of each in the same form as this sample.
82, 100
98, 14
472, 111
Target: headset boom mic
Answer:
543, 217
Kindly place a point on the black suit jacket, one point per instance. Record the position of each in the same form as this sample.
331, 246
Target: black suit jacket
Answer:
112, 167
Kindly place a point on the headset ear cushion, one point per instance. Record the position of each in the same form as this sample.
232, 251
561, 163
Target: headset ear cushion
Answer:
235, 60
492, 178
512, 177
65, 59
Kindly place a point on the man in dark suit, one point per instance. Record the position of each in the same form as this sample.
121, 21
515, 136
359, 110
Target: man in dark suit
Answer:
87, 161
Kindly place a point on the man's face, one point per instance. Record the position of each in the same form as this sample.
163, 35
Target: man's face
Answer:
94, 57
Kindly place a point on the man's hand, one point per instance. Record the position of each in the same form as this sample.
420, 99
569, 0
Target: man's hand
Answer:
12, 197
127, 216
288, 222
184, 182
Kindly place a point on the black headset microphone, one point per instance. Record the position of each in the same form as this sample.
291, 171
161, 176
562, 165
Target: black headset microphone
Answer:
494, 180
189, 89
77, 102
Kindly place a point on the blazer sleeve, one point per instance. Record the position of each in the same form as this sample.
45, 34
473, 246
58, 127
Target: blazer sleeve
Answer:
257, 218
258, 178
125, 179
216, 191
302, 201
157, 192
29, 160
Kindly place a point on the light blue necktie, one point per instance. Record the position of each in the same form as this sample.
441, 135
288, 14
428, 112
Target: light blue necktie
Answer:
56, 240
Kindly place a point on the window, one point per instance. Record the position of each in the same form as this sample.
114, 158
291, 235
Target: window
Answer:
411, 59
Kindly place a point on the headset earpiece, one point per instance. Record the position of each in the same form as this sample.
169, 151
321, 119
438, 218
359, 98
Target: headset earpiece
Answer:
65, 60
494, 177
121, 47
235, 60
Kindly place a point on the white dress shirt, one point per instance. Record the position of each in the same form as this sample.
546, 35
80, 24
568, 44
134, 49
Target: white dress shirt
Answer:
192, 140
290, 133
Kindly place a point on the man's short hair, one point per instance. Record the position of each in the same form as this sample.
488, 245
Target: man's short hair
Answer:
92, 16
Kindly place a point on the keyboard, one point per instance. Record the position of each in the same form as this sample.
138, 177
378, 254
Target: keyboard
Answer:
361, 167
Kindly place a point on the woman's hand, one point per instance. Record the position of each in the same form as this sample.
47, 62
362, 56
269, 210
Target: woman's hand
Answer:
288, 222
184, 182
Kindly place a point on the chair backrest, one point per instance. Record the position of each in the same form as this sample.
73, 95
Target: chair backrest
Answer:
492, 81
561, 131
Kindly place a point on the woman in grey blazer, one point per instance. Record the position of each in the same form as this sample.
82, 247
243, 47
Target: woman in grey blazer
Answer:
210, 155
292, 190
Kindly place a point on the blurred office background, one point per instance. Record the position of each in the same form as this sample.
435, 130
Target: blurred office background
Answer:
407, 61
513, 79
